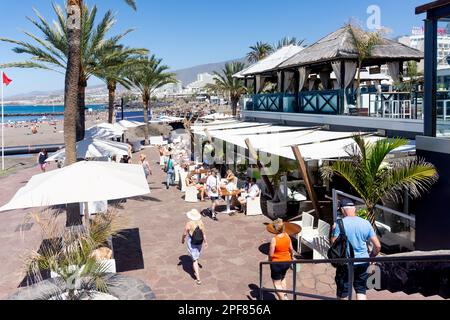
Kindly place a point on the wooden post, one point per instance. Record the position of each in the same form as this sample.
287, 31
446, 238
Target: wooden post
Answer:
254, 155
309, 186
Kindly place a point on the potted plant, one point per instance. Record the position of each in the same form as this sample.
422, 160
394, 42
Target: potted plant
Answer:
277, 206
73, 257
293, 204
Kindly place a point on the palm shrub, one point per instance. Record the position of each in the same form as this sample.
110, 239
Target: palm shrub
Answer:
226, 84
375, 178
364, 42
147, 75
68, 252
259, 51
50, 50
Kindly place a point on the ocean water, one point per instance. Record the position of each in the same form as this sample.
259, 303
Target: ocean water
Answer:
35, 113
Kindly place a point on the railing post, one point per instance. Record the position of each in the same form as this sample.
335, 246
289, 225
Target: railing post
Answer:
261, 294
294, 285
335, 204
350, 280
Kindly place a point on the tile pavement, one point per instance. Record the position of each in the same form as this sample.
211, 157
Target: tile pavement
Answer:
152, 251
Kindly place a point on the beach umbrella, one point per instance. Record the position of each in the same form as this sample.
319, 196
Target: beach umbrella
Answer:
94, 148
82, 182
126, 124
106, 131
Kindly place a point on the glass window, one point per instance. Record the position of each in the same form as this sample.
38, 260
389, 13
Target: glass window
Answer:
443, 93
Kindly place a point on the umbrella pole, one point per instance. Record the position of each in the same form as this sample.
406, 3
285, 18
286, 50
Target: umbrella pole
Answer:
87, 218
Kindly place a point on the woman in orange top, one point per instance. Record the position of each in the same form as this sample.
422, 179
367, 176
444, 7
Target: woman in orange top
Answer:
281, 250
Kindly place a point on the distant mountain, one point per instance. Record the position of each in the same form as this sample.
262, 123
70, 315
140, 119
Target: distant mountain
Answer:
189, 75
186, 76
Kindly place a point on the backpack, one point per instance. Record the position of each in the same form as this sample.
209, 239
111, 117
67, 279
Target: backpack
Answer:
339, 248
197, 237
169, 166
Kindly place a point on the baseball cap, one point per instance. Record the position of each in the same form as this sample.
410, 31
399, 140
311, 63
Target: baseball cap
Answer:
346, 203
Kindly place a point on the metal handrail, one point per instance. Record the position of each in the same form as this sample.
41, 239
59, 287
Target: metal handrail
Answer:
349, 261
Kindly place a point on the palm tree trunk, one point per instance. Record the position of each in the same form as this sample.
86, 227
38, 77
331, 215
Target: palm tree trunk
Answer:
111, 99
81, 119
71, 95
146, 127
234, 103
358, 86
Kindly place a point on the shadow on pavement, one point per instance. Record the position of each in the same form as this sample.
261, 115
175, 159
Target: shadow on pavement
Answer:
128, 251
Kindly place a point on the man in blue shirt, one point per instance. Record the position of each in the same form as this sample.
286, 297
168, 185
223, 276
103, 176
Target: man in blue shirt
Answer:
359, 233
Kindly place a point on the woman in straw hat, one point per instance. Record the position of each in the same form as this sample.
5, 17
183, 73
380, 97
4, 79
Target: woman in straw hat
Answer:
281, 250
194, 231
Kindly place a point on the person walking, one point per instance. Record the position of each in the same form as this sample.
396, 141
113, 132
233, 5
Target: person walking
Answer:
42, 157
213, 191
146, 166
169, 169
194, 232
281, 250
359, 233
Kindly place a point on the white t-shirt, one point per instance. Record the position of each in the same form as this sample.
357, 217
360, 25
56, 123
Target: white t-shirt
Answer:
253, 191
212, 182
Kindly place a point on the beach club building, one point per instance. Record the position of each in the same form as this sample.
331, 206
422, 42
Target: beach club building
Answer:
314, 89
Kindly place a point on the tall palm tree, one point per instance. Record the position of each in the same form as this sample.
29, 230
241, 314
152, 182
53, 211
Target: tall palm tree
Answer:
73, 70
116, 61
375, 179
50, 51
287, 41
364, 42
147, 76
259, 51
228, 85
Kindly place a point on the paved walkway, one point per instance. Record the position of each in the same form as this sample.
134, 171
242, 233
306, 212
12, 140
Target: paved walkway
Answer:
152, 251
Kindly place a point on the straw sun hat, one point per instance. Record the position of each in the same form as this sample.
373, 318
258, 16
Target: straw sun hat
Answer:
194, 215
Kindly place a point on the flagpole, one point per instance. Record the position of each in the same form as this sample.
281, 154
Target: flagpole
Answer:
3, 132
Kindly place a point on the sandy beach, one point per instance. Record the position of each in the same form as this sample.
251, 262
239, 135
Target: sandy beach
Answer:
47, 132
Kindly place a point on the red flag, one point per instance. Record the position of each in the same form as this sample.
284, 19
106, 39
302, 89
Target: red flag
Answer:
6, 80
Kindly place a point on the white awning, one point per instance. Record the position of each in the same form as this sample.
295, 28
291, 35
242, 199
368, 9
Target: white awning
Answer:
279, 139
227, 127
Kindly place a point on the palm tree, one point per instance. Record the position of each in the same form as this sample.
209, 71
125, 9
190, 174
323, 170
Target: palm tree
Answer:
228, 85
375, 179
364, 42
51, 51
259, 51
147, 76
287, 41
115, 62
73, 26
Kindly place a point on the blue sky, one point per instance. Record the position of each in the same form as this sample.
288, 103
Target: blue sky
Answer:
191, 32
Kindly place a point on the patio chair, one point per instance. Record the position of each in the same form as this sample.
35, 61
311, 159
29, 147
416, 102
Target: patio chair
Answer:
177, 173
254, 207
307, 224
183, 176
191, 194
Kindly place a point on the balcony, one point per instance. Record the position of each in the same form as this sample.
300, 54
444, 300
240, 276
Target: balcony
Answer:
394, 111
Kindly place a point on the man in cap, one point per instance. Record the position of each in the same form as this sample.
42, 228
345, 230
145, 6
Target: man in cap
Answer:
359, 232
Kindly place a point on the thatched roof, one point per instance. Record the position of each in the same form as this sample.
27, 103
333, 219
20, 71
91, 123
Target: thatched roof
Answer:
271, 62
339, 45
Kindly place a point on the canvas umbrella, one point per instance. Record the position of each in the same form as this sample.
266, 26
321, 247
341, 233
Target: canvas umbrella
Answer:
82, 182
126, 124
94, 148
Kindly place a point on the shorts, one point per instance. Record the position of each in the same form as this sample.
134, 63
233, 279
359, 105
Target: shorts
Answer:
359, 282
278, 271
214, 198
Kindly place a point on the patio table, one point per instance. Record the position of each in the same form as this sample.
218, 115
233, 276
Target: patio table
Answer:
228, 196
291, 229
